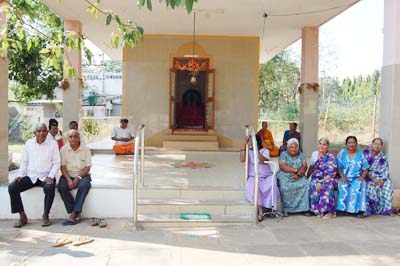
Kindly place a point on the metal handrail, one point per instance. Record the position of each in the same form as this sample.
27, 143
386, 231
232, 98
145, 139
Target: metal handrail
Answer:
246, 162
256, 161
142, 157
138, 138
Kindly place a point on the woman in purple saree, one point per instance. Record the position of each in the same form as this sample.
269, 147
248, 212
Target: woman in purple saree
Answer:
265, 176
323, 170
379, 184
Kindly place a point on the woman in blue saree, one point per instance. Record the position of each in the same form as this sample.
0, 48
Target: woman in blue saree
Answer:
379, 184
292, 182
323, 170
352, 169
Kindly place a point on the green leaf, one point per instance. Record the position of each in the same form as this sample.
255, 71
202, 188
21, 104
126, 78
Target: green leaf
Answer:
29, 45
114, 41
141, 3
58, 1
117, 18
149, 5
140, 29
108, 19
96, 13
189, 5
44, 51
58, 52
88, 54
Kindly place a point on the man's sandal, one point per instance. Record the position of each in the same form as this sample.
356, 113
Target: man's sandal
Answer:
20, 223
93, 221
62, 242
46, 222
102, 223
83, 240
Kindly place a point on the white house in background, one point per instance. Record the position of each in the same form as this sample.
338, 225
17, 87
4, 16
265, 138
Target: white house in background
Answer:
106, 83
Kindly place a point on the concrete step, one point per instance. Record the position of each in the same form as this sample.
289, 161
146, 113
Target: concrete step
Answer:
177, 206
191, 132
173, 220
190, 137
197, 145
199, 193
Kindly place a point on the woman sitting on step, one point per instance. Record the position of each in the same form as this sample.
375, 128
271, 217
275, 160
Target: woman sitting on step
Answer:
264, 177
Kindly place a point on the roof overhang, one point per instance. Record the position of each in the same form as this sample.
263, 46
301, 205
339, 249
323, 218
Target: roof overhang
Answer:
282, 27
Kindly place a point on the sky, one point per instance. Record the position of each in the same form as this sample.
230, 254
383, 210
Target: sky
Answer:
351, 43
357, 37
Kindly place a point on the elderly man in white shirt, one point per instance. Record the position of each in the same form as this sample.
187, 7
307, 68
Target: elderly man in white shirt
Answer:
39, 164
123, 137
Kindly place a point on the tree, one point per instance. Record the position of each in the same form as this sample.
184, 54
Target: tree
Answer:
278, 83
36, 34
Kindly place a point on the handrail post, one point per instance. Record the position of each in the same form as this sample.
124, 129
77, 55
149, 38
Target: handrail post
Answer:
246, 164
255, 156
142, 157
135, 176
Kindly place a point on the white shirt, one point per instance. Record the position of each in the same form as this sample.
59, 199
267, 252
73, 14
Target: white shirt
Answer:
39, 161
120, 132
314, 157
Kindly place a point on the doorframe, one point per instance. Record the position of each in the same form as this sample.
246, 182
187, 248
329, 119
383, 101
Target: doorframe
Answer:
209, 98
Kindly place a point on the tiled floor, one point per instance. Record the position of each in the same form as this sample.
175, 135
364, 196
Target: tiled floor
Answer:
296, 240
169, 168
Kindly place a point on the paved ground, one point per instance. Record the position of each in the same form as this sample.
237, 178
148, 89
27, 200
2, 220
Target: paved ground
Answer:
296, 240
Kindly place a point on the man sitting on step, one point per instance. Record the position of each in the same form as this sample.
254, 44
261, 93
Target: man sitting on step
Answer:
123, 137
39, 164
76, 161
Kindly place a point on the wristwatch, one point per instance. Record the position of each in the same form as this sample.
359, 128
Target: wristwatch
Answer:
79, 177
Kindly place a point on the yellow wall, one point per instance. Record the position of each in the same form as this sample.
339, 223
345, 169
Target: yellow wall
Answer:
146, 80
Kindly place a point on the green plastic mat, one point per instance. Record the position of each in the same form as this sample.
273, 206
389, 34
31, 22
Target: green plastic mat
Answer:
195, 216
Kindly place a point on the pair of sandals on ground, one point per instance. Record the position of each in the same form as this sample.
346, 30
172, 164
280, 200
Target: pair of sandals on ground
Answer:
92, 222
79, 242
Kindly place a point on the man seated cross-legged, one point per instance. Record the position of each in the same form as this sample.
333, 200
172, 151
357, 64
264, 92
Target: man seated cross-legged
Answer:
76, 161
39, 164
123, 137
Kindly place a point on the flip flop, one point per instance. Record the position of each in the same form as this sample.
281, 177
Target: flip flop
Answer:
93, 222
19, 223
83, 240
46, 223
62, 242
68, 222
102, 223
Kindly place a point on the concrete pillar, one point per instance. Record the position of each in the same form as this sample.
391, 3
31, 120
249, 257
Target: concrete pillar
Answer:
3, 110
72, 95
390, 88
309, 90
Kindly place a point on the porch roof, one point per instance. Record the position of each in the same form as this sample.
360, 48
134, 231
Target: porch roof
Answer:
283, 26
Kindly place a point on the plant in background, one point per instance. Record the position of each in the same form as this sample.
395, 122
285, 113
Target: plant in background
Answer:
27, 128
91, 129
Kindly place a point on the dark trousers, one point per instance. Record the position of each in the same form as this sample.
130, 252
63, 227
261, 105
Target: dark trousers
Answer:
71, 204
15, 189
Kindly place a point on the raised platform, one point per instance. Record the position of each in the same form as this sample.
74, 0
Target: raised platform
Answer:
175, 182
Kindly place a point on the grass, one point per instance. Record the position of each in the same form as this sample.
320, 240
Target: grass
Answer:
14, 146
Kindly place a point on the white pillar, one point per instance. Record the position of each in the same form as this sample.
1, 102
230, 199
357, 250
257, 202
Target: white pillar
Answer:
390, 88
309, 90
72, 95
3, 110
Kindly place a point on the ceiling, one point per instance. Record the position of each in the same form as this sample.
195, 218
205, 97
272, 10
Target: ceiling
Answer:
282, 27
